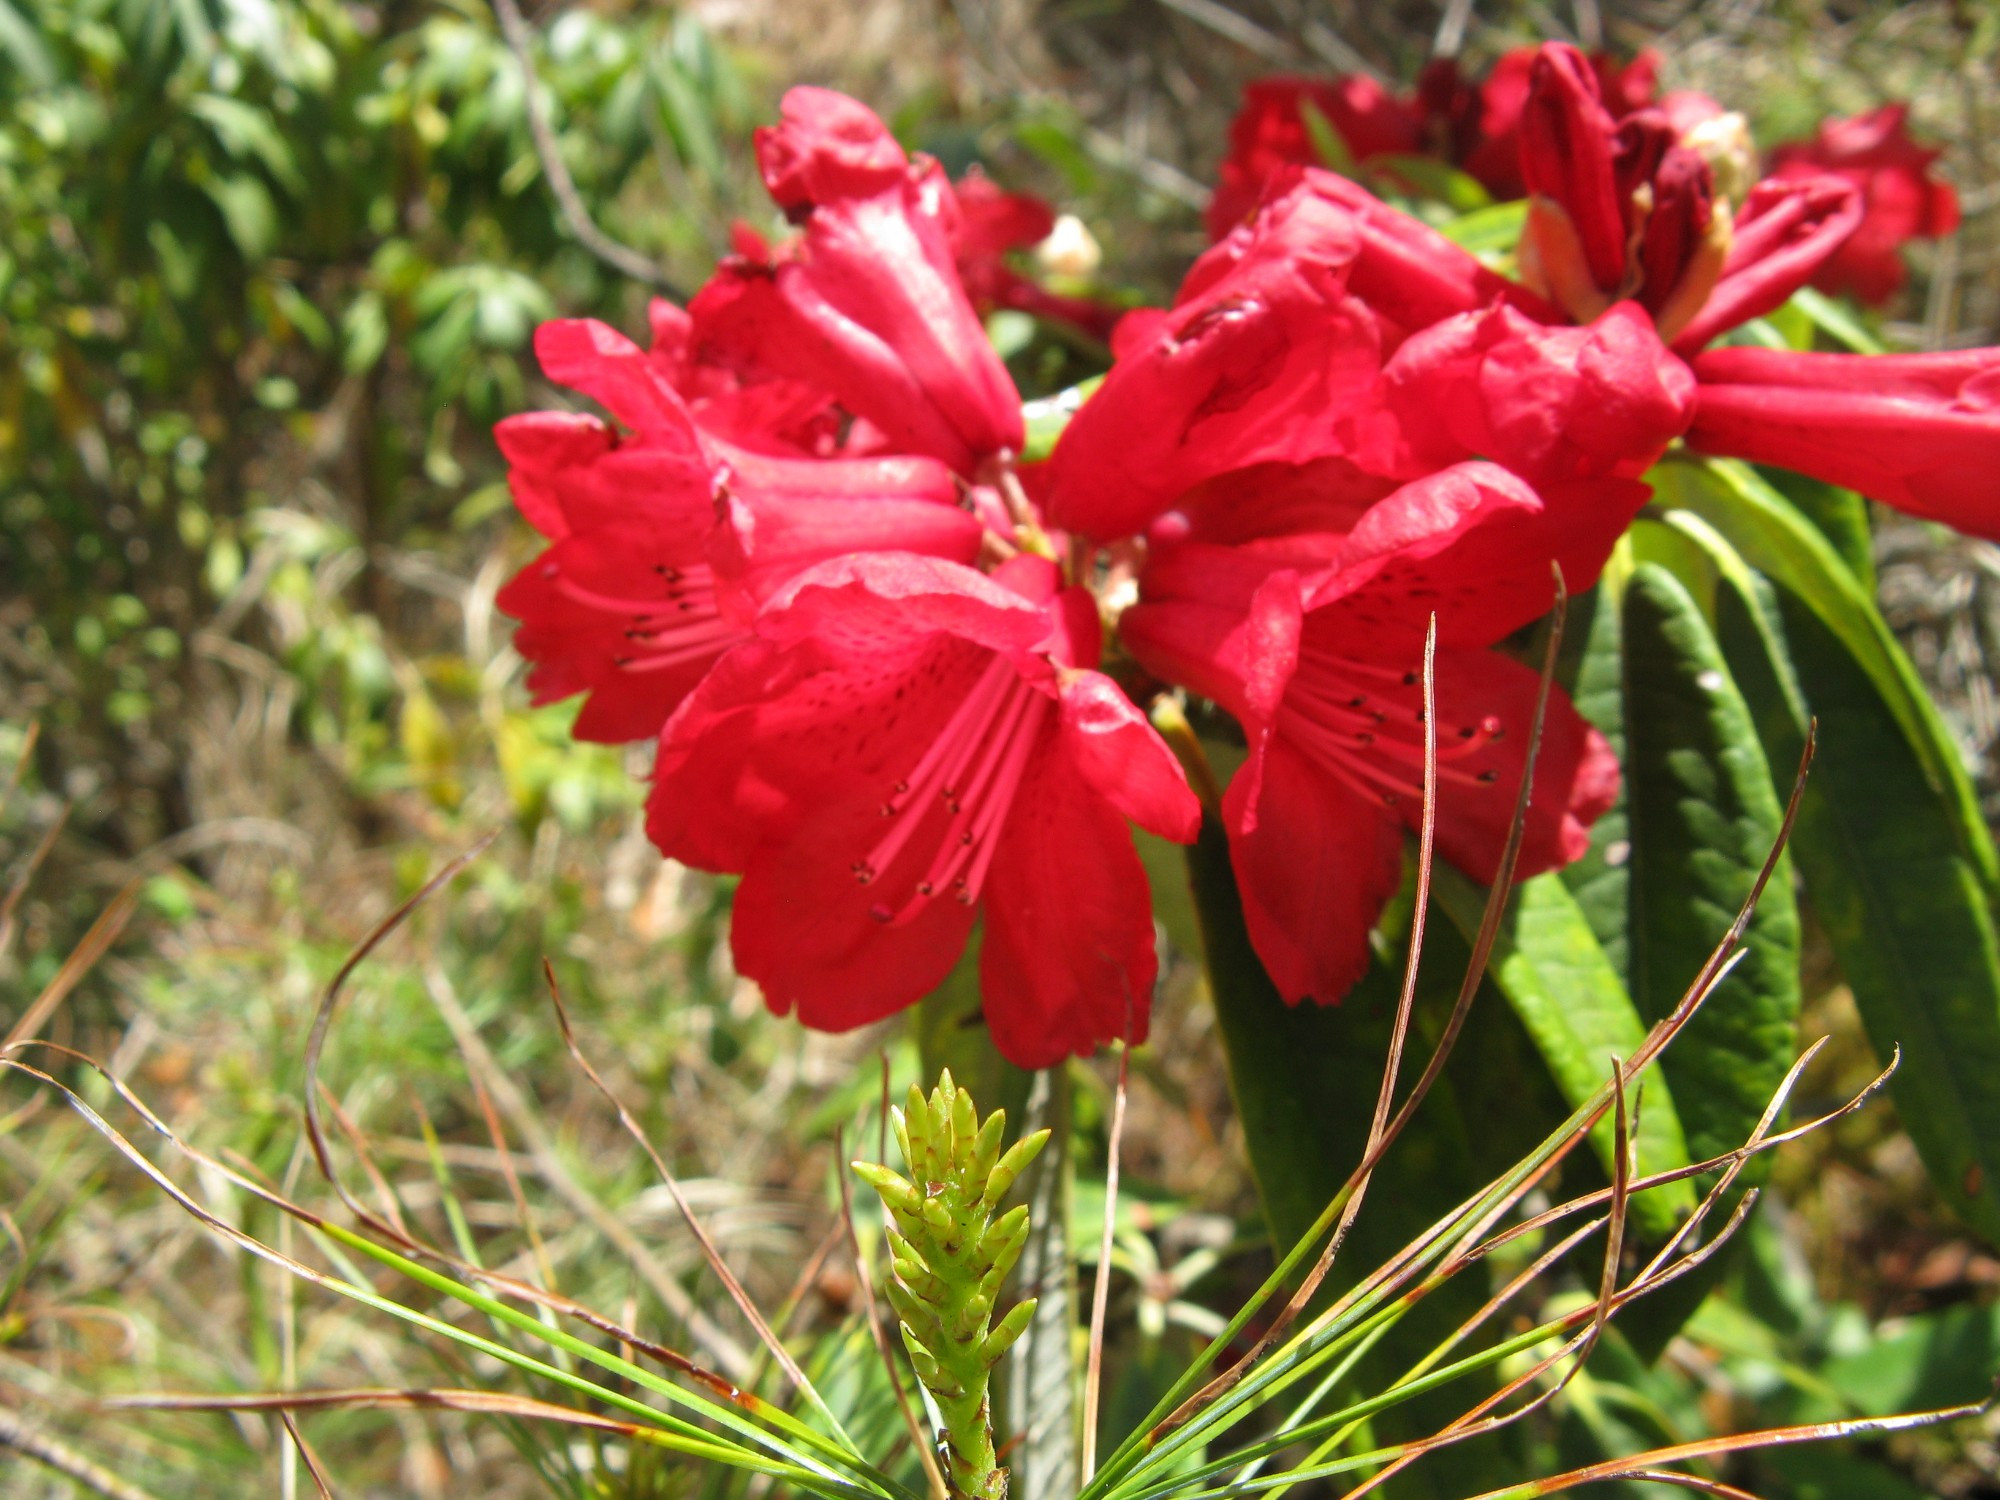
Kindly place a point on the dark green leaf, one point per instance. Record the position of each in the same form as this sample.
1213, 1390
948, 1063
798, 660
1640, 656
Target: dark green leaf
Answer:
1771, 535
1594, 672
1907, 915
1548, 964
1704, 818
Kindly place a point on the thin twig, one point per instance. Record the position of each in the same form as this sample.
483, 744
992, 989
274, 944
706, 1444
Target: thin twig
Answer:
1100, 1296
621, 258
710, 1253
16, 1433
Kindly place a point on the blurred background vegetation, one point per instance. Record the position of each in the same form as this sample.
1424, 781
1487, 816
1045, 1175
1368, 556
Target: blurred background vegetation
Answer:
268, 272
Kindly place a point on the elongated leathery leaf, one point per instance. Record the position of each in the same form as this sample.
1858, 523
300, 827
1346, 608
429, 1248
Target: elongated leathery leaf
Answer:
1892, 861
1548, 964
1774, 538
1593, 670
1705, 813
1304, 1079
1906, 914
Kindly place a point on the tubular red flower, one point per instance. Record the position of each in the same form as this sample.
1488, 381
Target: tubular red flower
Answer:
907, 743
867, 304
1320, 669
1920, 432
1569, 163
1901, 200
1616, 209
643, 591
1787, 230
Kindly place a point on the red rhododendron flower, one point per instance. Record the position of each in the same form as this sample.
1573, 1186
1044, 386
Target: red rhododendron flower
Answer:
1617, 209
1901, 200
1270, 132
904, 744
1477, 125
1785, 233
1320, 670
1549, 403
866, 304
1920, 432
993, 223
646, 585
1277, 333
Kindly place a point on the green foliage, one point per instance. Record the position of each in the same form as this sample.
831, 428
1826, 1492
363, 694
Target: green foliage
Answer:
268, 271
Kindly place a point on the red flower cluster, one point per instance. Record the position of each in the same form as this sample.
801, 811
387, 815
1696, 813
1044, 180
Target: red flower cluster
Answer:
1513, 131
1474, 125
795, 555
802, 554
1900, 199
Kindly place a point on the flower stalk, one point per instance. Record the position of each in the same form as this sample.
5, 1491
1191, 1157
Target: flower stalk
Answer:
951, 1257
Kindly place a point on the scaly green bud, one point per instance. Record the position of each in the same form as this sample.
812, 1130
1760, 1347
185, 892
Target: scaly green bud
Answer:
1000, 1181
950, 1257
1011, 1327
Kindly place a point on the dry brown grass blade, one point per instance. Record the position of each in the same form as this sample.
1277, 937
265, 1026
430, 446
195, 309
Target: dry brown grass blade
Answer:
1577, 1350
497, 1133
720, 1267
1100, 1295
329, 1000
26, 874
731, 1356
1756, 1146
316, 1470
1693, 1482
878, 1330
474, 1402
505, 1286
94, 945
1648, 1464
725, 1350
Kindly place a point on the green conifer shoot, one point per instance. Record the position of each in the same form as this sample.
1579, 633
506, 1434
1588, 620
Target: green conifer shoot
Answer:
951, 1257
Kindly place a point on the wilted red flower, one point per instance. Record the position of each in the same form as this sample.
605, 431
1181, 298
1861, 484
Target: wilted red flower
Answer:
866, 304
1901, 200
903, 744
666, 537
1920, 432
1320, 668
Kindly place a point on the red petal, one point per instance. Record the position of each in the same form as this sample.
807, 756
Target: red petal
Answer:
1474, 543
1069, 958
1117, 752
1548, 403
826, 146
1785, 233
1576, 773
1315, 863
604, 365
1249, 368
801, 927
